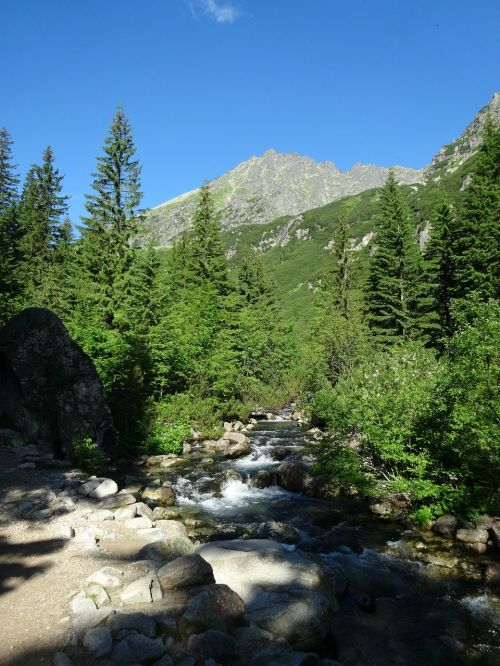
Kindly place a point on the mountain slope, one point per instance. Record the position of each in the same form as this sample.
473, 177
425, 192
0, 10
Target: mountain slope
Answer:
266, 187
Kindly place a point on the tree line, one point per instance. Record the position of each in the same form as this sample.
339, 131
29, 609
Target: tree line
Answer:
177, 338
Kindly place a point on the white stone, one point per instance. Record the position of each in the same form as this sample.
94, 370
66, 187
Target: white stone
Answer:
109, 578
104, 489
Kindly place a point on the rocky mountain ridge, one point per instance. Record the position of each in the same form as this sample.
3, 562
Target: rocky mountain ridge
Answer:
274, 184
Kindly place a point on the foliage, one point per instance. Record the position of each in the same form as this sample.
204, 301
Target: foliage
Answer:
87, 457
167, 437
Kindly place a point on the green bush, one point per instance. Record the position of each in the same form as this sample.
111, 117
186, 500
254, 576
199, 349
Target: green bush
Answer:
167, 437
86, 456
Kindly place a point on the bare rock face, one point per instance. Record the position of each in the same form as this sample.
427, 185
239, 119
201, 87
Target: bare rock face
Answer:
49, 388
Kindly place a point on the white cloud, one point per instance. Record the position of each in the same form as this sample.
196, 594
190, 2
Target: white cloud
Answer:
220, 10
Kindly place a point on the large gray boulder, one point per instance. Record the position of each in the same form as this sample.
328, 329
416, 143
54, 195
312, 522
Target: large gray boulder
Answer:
50, 391
286, 593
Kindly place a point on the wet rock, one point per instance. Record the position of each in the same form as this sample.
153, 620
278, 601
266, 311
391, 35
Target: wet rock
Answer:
212, 643
231, 475
137, 648
263, 479
155, 461
162, 513
109, 578
62, 397
472, 536
116, 501
279, 453
492, 576
382, 508
166, 550
238, 449
281, 532
185, 571
286, 593
235, 437
446, 525
294, 476
163, 495
98, 641
104, 489
216, 607
142, 591
138, 622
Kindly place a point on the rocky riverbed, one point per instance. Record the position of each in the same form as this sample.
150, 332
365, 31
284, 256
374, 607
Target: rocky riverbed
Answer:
229, 554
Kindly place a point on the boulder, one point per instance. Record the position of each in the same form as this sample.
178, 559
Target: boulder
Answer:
281, 532
446, 525
100, 515
215, 607
212, 644
238, 449
286, 593
166, 550
171, 528
109, 578
116, 501
294, 475
138, 622
105, 488
137, 649
184, 572
144, 590
126, 512
263, 479
235, 437
472, 536
98, 641
495, 533
62, 397
163, 495
138, 523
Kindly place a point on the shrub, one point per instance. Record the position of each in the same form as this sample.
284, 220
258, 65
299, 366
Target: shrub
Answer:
167, 437
87, 456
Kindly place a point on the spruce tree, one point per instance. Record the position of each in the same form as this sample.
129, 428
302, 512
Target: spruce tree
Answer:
41, 216
439, 267
208, 259
476, 244
394, 277
9, 228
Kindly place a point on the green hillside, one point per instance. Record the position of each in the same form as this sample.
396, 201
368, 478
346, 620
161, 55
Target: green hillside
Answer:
302, 257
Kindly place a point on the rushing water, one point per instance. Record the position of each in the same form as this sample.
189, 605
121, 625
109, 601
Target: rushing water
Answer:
401, 605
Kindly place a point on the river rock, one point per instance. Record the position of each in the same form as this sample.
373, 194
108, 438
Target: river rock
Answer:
495, 534
235, 437
137, 649
116, 501
163, 495
89, 485
446, 525
215, 607
484, 522
98, 641
98, 594
294, 476
279, 453
281, 532
286, 593
492, 575
166, 550
80, 604
110, 578
155, 461
104, 489
185, 571
141, 522
472, 536
138, 622
212, 643
142, 591
100, 515
126, 512
50, 390
238, 449
91, 619
263, 479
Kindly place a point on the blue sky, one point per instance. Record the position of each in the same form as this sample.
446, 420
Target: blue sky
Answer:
209, 83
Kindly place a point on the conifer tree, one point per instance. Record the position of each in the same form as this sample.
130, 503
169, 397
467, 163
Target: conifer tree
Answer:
208, 259
9, 228
476, 244
41, 214
439, 267
394, 275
